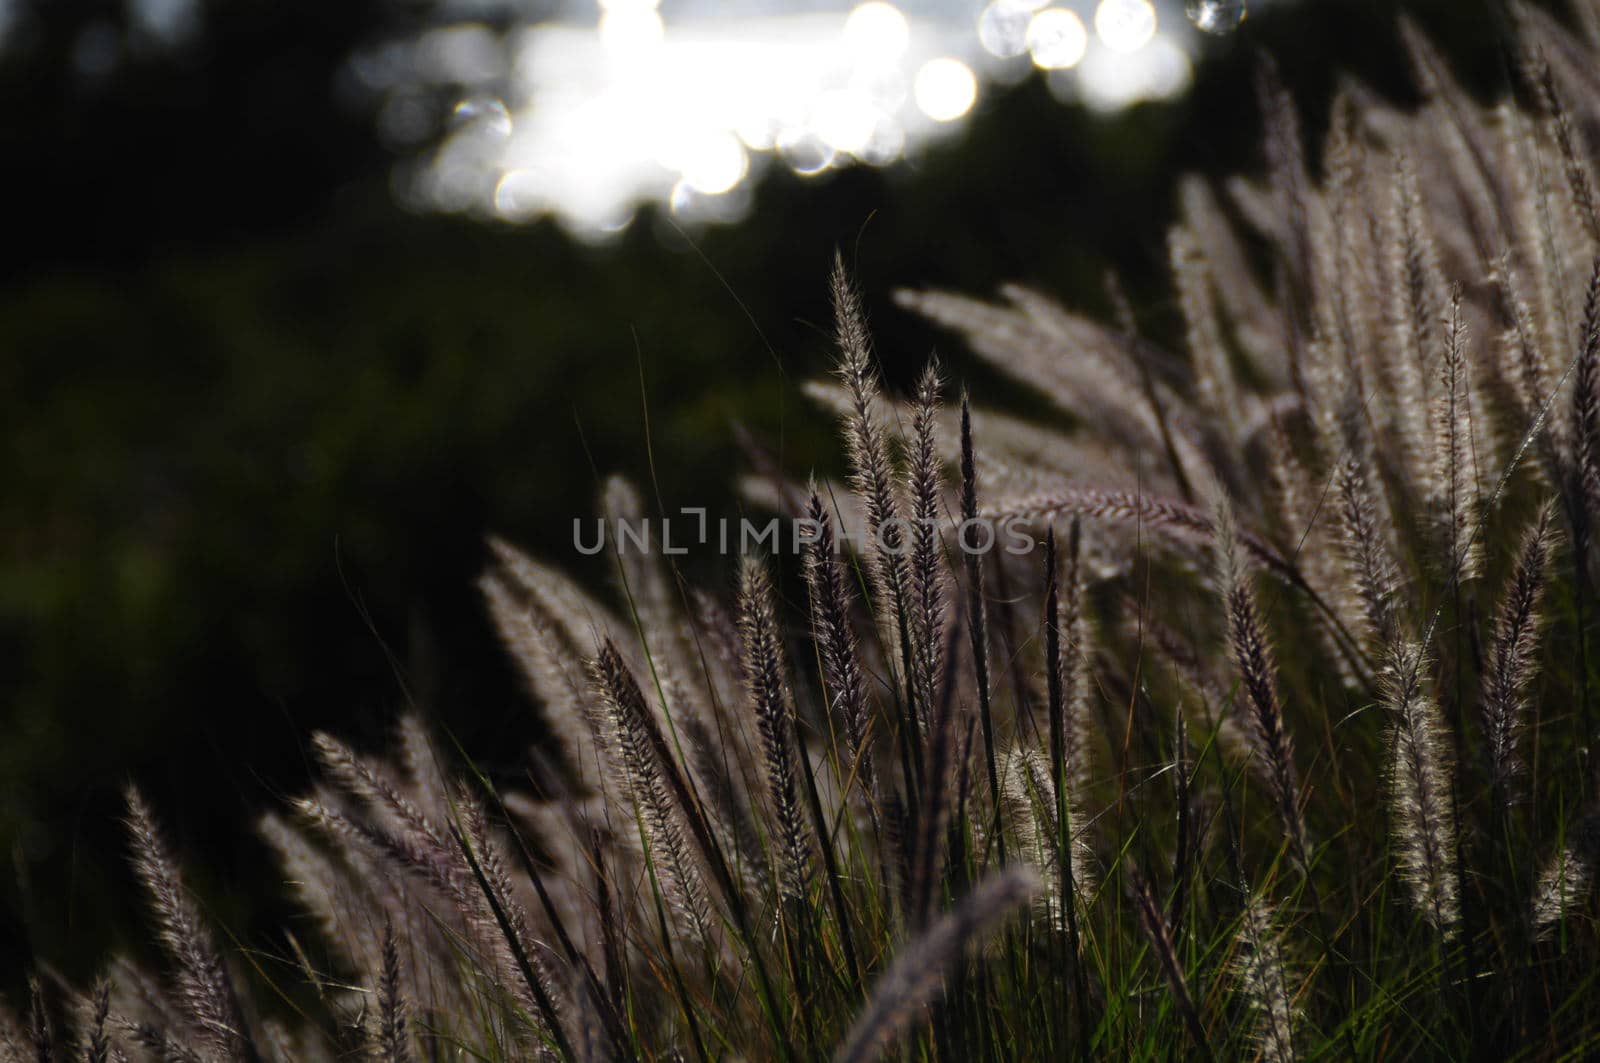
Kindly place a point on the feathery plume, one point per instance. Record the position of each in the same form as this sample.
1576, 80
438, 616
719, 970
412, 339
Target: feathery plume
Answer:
1262, 975
925, 489
1514, 652
1258, 673
393, 1038
836, 641
1421, 799
1585, 504
921, 965
1566, 881
1176, 520
1368, 555
639, 750
1579, 183
767, 689
95, 1035
872, 472
204, 991
1455, 479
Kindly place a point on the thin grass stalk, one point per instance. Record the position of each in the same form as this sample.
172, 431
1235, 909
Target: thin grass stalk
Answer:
977, 616
1063, 775
1159, 939
513, 941
830, 863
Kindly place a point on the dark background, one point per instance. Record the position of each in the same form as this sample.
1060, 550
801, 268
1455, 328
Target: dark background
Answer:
258, 419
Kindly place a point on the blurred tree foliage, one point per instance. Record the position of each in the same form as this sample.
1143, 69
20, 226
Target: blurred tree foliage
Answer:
258, 420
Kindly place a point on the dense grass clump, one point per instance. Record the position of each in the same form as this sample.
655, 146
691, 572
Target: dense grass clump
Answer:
1277, 744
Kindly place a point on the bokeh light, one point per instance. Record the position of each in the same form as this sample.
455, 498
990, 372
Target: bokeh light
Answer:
1057, 39
877, 33
945, 89
714, 163
615, 104
1216, 16
1003, 28
1125, 25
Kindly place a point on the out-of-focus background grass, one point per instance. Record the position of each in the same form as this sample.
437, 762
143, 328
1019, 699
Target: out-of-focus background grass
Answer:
258, 418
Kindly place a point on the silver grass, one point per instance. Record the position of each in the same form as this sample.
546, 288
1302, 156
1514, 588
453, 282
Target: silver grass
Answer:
1219, 393
636, 745
1414, 315
201, 980
1363, 522
1566, 881
1253, 659
914, 977
836, 642
1029, 810
1072, 671
547, 662
1455, 500
1422, 804
1579, 182
872, 471
1513, 653
41, 1036
323, 888
1178, 521
768, 691
393, 1038
1261, 974
1256, 324
1585, 487
925, 490
94, 1034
